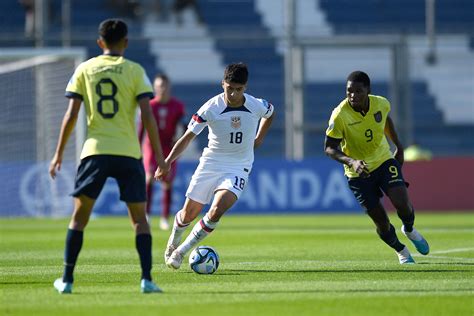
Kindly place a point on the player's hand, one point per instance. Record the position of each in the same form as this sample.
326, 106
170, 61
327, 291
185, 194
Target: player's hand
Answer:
399, 156
55, 165
162, 171
361, 168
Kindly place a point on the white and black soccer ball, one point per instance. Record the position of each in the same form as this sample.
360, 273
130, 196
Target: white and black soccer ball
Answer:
204, 260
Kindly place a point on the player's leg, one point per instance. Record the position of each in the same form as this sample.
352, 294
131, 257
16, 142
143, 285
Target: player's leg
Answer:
368, 195
74, 239
91, 176
191, 209
395, 187
149, 192
200, 191
130, 176
223, 200
167, 191
167, 195
400, 200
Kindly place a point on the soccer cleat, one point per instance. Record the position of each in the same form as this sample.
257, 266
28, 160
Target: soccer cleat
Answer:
404, 256
175, 260
170, 248
164, 225
148, 286
63, 287
420, 243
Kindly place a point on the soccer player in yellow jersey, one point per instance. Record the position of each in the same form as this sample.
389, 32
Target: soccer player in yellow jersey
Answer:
356, 137
110, 87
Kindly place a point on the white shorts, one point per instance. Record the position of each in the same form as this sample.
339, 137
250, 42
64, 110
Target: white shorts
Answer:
209, 178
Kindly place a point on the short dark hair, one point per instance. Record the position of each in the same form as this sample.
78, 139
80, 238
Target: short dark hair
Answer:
359, 76
113, 30
237, 73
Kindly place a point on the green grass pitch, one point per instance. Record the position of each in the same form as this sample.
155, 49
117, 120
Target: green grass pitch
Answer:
270, 265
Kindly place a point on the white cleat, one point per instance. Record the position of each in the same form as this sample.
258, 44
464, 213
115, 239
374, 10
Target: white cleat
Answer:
164, 225
404, 257
175, 260
170, 248
63, 287
417, 239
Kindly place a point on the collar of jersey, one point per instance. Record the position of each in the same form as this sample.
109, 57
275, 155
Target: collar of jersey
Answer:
241, 108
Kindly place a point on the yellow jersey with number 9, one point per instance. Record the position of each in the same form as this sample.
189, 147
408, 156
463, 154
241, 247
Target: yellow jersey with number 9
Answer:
363, 136
110, 87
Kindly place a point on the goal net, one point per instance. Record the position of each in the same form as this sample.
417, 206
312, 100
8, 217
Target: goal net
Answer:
32, 84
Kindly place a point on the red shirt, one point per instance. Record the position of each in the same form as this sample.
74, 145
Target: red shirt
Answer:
168, 116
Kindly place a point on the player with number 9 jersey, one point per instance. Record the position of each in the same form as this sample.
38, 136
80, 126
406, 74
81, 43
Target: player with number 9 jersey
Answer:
363, 137
110, 87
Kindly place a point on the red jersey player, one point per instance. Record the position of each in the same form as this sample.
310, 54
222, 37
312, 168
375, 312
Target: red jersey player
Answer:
169, 113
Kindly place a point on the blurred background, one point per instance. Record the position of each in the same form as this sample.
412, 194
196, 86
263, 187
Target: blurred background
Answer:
418, 53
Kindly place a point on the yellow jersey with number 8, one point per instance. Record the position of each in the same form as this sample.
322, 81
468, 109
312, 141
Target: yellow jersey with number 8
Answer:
110, 87
363, 136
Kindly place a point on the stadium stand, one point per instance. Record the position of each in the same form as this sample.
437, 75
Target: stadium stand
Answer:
248, 30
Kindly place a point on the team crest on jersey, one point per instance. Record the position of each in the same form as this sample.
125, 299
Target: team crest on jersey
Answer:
378, 117
235, 122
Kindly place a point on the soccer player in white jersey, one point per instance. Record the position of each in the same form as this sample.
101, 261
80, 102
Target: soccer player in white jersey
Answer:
234, 131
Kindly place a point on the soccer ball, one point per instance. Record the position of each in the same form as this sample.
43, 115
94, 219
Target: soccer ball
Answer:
204, 260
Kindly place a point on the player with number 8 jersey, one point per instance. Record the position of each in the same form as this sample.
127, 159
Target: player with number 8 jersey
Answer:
111, 89
110, 86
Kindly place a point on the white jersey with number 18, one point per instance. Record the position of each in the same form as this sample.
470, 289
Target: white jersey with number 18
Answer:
231, 130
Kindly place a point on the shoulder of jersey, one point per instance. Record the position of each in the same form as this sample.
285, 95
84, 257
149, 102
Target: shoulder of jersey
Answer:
214, 101
379, 98
339, 107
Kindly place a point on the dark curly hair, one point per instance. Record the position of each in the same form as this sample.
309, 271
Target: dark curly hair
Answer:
237, 73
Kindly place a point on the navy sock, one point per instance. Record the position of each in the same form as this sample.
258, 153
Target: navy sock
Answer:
391, 239
408, 221
143, 245
71, 252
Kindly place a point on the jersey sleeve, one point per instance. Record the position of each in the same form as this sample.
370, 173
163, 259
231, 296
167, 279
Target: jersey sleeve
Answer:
336, 127
267, 110
75, 87
143, 85
199, 120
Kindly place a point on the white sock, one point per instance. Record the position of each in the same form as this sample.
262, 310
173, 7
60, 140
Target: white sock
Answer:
200, 231
178, 229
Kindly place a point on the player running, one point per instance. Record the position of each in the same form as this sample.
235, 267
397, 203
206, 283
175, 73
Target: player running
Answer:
356, 137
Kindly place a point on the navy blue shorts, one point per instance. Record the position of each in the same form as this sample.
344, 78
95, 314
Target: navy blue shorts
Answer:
368, 191
94, 170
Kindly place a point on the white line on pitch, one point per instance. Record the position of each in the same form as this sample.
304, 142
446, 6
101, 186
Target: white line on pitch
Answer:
442, 257
452, 250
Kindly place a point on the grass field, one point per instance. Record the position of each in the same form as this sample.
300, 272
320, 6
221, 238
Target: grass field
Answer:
270, 265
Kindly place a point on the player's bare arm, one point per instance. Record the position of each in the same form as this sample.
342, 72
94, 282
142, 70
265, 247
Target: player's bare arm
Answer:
177, 150
331, 148
263, 128
392, 134
67, 126
150, 125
